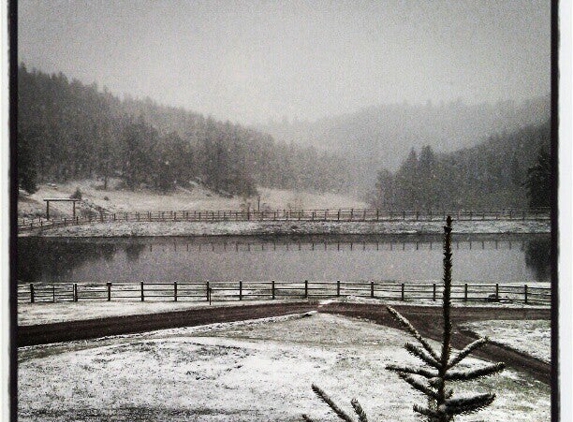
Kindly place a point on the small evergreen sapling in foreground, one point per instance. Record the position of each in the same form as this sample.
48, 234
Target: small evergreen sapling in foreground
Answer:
434, 377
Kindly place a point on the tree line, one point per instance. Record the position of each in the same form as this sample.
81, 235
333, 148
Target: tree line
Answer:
510, 170
68, 130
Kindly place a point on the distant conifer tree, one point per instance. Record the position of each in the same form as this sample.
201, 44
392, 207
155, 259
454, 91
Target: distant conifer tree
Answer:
434, 377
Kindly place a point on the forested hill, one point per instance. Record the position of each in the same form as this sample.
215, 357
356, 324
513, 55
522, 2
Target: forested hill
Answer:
493, 174
386, 133
68, 130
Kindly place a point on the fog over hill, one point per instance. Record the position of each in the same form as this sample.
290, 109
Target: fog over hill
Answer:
383, 135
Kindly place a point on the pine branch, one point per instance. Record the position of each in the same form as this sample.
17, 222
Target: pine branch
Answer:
475, 373
305, 418
415, 371
419, 385
467, 405
422, 354
466, 351
431, 414
325, 398
408, 326
359, 411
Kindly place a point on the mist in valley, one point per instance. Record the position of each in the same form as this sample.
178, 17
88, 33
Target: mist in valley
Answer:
319, 96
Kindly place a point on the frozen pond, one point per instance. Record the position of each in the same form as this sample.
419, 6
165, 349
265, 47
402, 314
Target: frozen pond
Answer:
477, 258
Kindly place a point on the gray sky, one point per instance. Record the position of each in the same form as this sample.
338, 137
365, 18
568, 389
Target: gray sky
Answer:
248, 61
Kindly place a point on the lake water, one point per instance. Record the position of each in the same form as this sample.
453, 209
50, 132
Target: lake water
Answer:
476, 258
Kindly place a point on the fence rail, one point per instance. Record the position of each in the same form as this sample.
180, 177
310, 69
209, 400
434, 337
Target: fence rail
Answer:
264, 290
342, 214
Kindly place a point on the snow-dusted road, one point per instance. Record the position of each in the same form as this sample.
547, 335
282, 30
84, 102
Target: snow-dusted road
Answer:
423, 317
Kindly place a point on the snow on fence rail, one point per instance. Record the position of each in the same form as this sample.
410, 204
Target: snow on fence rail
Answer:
342, 214
263, 290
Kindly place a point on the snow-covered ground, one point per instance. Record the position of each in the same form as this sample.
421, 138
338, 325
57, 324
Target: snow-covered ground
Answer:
532, 338
196, 198
128, 229
246, 371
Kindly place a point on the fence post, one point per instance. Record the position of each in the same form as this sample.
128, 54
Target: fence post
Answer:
525, 293
32, 298
434, 292
403, 291
338, 288
273, 289
240, 290
306, 289
142, 293
75, 292
175, 291
109, 292
466, 292
53, 293
208, 293
372, 289
496, 292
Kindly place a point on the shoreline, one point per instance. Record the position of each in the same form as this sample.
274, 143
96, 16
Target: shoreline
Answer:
273, 228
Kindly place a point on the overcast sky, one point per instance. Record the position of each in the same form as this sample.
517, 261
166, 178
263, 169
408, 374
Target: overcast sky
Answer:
248, 61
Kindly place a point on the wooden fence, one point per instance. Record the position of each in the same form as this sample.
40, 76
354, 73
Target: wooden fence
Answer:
268, 290
342, 215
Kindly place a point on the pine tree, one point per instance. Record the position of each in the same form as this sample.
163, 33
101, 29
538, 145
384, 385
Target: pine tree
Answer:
434, 378
538, 182
27, 174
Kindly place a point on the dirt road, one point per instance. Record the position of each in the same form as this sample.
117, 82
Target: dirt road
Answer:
426, 319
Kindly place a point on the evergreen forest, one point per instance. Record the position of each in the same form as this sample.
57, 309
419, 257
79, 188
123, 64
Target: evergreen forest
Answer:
510, 170
68, 130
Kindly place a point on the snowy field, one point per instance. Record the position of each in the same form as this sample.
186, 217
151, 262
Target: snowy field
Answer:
198, 198
536, 342
246, 371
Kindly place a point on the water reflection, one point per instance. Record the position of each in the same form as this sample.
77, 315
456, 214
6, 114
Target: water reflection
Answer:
538, 258
487, 258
